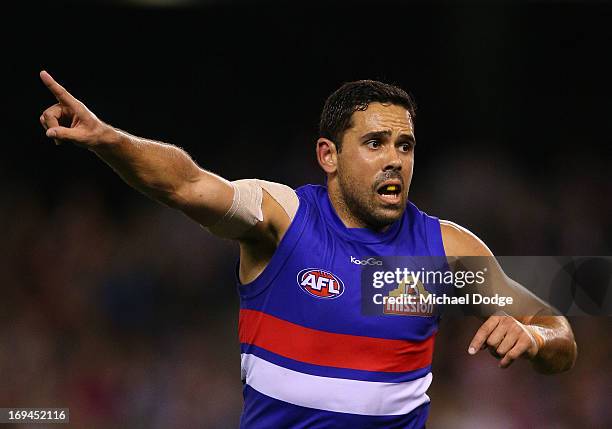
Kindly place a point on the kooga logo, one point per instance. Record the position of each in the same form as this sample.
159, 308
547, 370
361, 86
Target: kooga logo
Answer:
369, 261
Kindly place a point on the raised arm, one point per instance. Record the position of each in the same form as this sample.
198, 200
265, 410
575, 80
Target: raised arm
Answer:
161, 171
532, 330
253, 212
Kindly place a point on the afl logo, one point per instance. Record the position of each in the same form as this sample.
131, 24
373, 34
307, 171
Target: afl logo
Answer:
320, 283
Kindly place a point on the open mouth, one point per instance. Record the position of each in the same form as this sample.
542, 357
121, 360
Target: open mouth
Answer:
390, 192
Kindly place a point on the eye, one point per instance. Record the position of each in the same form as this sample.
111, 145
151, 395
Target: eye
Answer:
405, 147
373, 144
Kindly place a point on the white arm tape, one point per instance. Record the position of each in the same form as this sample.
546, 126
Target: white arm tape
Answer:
246, 209
283, 195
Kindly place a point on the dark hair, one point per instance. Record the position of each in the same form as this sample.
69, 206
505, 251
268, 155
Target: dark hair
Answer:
353, 96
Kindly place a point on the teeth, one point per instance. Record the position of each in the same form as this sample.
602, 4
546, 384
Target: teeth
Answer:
389, 190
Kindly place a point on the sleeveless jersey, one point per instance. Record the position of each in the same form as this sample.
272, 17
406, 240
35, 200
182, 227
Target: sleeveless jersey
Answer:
310, 357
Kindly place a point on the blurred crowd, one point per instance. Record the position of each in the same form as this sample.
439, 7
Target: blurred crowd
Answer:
129, 321
127, 314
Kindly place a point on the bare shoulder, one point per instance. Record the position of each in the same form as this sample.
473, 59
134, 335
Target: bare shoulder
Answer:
459, 241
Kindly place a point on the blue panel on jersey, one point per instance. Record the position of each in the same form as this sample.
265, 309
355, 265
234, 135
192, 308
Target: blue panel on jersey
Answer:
263, 412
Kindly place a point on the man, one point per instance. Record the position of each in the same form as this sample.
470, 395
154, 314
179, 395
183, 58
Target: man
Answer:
310, 357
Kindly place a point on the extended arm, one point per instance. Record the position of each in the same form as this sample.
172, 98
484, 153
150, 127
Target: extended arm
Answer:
161, 171
168, 175
533, 330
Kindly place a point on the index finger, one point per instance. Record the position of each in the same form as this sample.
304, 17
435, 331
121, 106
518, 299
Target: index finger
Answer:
57, 90
483, 333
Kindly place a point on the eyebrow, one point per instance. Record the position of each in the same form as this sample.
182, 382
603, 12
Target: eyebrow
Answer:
387, 133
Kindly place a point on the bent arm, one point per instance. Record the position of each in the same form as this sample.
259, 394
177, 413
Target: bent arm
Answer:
532, 329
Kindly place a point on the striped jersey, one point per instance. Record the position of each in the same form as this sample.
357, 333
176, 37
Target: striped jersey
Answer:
310, 356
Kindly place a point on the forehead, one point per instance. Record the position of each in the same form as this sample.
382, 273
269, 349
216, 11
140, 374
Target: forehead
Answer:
379, 117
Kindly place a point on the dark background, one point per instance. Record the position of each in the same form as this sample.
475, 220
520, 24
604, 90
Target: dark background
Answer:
125, 311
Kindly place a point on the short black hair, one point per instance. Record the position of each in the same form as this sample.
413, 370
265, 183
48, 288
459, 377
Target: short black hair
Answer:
353, 96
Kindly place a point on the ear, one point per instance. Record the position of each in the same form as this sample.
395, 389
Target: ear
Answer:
327, 155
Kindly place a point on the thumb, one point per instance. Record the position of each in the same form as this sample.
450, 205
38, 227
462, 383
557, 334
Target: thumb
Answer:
62, 133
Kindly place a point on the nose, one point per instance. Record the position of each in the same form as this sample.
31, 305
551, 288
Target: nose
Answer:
392, 160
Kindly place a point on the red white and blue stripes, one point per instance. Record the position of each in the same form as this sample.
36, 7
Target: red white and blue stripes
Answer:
333, 372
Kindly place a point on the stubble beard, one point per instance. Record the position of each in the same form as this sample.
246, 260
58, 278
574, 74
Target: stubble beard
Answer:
362, 209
